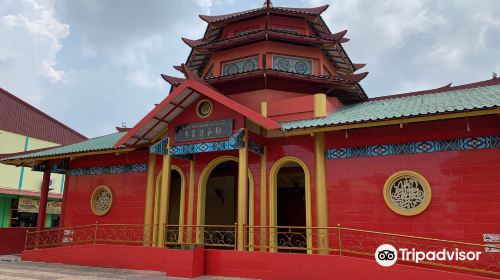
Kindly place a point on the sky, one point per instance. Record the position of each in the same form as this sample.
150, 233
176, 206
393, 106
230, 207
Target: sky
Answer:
96, 64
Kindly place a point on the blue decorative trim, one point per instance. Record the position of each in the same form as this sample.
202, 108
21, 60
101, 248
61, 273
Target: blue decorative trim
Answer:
473, 143
240, 66
292, 64
255, 147
114, 169
233, 143
160, 147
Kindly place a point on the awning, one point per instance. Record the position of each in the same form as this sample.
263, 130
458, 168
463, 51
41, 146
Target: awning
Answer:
156, 121
10, 191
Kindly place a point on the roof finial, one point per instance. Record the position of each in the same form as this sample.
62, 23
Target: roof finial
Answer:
268, 4
494, 76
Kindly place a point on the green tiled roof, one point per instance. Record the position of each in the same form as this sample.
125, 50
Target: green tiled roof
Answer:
102, 143
407, 106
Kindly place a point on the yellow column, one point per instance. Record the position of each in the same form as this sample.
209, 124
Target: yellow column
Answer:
148, 204
190, 200
321, 192
156, 208
165, 193
263, 196
242, 192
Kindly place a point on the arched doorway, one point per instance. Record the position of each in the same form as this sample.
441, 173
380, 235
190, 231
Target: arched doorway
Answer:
174, 233
290, 205
217, 208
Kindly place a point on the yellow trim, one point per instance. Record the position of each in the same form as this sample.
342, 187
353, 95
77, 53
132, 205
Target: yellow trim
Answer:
98, 212
202, 182
242, 193
273, 177
319, 105
165, 191
198, 108
148, 208
190, 197
421, 179
304, 131
33, 161
263, 196
263, 108
182, 198
321, 192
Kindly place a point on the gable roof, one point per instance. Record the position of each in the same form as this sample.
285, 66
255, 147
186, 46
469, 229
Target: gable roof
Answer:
156, 121
476, 96
17, 116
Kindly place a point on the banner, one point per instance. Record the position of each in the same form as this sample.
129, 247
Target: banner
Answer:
29, 205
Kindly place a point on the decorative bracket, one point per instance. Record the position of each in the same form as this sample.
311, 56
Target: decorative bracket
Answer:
160, 147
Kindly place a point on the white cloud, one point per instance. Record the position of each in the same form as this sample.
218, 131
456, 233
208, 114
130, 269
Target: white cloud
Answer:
411, 45
32, 38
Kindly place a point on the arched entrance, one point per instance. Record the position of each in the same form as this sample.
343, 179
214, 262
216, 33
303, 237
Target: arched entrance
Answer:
290, 204
174, 232
217, 208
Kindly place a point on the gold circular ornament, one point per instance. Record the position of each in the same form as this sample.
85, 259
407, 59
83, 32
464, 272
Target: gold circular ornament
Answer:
101, 200
407, 193
204, 108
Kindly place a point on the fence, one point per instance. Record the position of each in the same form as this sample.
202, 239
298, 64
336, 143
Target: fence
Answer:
312, 240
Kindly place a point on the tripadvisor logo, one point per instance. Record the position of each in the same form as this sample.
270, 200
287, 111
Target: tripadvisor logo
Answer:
387, 255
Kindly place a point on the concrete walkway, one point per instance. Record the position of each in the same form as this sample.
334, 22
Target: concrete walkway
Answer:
12, 268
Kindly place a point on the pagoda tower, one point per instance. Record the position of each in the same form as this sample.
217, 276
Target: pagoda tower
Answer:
273, 53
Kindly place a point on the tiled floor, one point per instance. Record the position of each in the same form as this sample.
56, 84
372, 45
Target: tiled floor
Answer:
13, 269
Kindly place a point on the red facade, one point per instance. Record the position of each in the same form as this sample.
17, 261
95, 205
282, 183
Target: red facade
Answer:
293, 97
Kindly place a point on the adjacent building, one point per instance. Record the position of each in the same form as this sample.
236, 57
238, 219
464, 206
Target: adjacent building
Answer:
24, 128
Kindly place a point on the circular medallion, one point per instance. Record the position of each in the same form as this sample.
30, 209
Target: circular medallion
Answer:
204, 108
283, 64
101, 200
248, 66
407, 193
232, 69
301, 67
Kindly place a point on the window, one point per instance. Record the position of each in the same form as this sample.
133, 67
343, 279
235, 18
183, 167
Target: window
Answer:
240, 66
101, 200
292, 64
407, 193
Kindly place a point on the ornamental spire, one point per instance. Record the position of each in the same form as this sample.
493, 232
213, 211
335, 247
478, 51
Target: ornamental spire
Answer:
268, 4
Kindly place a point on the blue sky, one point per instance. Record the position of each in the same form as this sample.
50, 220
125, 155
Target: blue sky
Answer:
95, 64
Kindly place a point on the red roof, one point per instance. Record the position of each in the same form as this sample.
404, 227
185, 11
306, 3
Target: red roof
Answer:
273, 10
27, 193
185, 94
17, 116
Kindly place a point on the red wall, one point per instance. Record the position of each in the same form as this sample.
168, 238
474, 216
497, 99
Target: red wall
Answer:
193, 263
465, 184
12, 240
129, 190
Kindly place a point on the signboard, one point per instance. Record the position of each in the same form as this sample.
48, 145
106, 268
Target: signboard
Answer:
204, 130
29, 205
495, 248
491, 237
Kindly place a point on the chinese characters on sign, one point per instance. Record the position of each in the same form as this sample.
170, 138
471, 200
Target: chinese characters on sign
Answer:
205, 130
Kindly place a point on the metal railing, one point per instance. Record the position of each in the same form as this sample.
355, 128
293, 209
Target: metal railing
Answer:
312, 240
91, 234
356, 242
214, 236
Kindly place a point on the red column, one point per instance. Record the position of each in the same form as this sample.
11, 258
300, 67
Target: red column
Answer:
65, 194
44, 193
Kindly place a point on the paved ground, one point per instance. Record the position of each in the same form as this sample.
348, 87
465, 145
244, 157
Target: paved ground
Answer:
12, 268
